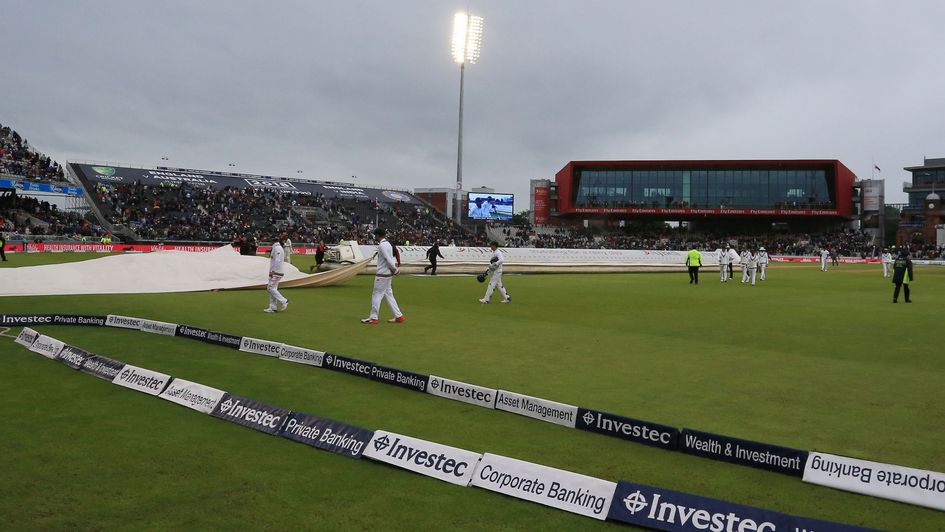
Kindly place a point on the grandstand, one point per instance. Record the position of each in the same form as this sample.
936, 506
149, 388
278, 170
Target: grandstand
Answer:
177, 204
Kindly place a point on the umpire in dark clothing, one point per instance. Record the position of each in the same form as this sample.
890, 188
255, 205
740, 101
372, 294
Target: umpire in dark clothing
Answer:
902, 275
432, 254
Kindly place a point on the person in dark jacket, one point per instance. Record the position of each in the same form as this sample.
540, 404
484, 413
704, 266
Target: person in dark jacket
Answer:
902, 275
432, 254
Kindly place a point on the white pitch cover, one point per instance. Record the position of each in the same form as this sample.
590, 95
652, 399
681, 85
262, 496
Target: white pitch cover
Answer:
46, 346
461, 391
301, 355
260, 347
125, 322
143, 380
887, 481
446, 463
558, 488
26, 337
537, 408
192, 395
159, 327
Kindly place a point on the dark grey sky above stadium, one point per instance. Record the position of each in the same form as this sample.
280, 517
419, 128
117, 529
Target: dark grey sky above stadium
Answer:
368, 89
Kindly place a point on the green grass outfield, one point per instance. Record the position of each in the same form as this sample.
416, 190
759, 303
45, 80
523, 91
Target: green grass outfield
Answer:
818, 361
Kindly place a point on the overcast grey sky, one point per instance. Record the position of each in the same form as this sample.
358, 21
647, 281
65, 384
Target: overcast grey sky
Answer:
367, 88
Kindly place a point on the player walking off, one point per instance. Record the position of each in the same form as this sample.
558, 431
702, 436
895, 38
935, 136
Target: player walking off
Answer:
276, 262
495, 266
887, 261
748, 261
902, 275
762, 259
724, 260
823, 259
386, 270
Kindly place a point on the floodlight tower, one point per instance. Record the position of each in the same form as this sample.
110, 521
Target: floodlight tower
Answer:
467, 37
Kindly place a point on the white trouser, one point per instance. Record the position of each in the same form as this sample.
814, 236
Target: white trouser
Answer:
885, 270
723, 268
823, 265
762, 267
754, 273
745, 274
496, 282
383, 290
273, 288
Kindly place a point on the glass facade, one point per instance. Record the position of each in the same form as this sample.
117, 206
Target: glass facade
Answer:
924, 181
706, 189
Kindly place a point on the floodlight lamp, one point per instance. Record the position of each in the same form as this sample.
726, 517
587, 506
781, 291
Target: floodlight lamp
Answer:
467, 38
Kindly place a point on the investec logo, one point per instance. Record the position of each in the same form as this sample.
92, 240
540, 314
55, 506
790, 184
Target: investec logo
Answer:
427, 458
684, 516
461, 391
262, 418
7, 319
123, 321
622, 427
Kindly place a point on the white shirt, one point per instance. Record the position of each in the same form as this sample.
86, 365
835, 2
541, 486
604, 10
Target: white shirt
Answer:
887, 258
732, 255
747, 259
386, 263
497, 265
824, 254
724, 257
762, 257
276, 258
288, 251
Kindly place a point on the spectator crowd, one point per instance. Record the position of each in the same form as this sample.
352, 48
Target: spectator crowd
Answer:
17, 159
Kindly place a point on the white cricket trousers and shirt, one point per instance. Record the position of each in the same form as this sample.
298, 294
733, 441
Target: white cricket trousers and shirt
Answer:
724, 259
762, 260
887, 260
748, 267
386, 268
823, 260
276, 260
496, 280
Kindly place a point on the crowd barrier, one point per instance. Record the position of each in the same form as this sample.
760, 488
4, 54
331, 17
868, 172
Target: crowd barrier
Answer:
623, 501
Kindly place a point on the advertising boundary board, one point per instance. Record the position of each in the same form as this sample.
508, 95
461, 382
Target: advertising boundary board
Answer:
193, 395
260, 347
572, 492
886, 481
47, 346
442, 462
73, 356
749, 453
142, 379
16, 320
327, 434
569, 491
124, 322
158, 327
626, 428
26, 337
536, 408
664, 509
301, 355
106, 368
462, 391
251, 413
